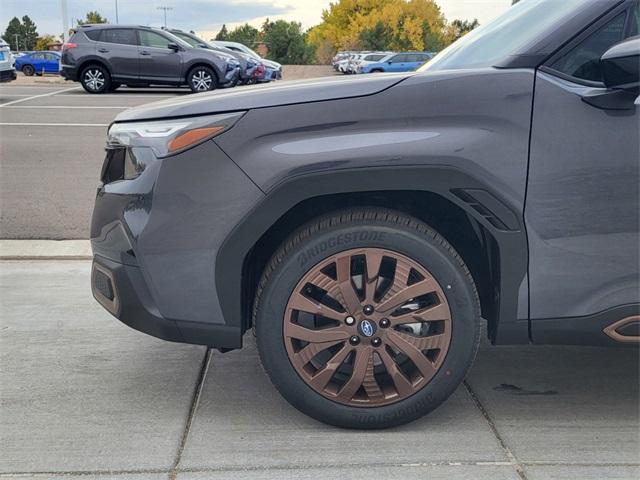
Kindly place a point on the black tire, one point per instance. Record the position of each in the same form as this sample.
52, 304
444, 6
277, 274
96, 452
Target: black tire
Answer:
114, 86
202, 79
28, 70
376, 70
95, 79
338, 232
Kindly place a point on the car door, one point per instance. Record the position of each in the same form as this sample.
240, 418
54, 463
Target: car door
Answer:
583, 197
37, 60
158, 61
119, 48
52, 62
397, 63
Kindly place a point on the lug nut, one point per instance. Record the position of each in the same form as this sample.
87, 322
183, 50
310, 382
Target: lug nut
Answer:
385, 323
368, 309
354, 340
376, 342
349, 320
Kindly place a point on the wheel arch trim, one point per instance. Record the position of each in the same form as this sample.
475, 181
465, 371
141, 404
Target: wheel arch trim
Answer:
441, 180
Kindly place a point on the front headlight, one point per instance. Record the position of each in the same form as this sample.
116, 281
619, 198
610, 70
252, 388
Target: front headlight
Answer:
169, 137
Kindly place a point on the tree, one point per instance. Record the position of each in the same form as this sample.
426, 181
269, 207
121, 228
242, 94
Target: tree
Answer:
376, 38
286, 42
223, 34
245, 34
13, 34
21, 35
459, 28
29, 32
93, 17
43, 42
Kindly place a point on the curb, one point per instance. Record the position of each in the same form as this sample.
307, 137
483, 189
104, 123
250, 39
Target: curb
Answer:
45, 250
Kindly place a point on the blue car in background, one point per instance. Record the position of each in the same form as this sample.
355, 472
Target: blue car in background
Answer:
400, 62
38, 63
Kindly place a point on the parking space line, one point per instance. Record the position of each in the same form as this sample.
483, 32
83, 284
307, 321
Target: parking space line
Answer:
48, 94
20, 124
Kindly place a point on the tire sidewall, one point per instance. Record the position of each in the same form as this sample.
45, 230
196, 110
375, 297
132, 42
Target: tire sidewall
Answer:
107, 79
28, 70
432, 255
192, 72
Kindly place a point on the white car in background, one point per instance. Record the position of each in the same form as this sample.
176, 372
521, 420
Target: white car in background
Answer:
7, 63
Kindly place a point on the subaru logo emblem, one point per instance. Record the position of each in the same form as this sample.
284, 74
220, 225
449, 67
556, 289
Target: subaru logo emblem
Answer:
367, 328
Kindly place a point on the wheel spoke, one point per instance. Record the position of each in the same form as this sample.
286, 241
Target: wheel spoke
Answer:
305, 355
374, 260
402, 383
403, 343
423, 287
343, 272
322, 377
293, 330
369, 383
303, 304
357, 376
429, 314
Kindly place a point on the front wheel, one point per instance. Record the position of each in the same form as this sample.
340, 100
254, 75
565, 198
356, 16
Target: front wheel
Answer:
367, 319
28, 70
201, 79
95, 79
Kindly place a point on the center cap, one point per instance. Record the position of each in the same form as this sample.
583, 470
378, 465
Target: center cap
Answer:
367, 328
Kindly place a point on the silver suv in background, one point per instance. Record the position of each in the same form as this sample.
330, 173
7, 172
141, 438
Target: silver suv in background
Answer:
7, 62
102, 57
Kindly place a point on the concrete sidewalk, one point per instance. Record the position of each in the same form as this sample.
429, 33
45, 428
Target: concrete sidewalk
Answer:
45, 249
85, 396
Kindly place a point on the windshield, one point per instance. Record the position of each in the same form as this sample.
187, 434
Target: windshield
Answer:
506, 35
194, 42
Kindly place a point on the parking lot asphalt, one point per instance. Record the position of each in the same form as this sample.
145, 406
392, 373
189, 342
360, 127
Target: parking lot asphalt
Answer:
83, 396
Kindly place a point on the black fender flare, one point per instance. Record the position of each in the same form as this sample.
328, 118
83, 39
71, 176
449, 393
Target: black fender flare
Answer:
476, 198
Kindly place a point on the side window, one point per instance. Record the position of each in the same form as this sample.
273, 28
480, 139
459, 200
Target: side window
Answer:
634, 21
583, 61
124, 36
93, 35
152, 39
398, 59
38, 56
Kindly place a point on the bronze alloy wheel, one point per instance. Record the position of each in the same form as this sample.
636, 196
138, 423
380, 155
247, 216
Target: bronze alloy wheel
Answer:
367, 327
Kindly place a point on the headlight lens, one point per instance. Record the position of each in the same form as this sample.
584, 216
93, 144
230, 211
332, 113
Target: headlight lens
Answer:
169, 137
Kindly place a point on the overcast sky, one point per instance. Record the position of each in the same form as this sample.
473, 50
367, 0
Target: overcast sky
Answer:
207, 16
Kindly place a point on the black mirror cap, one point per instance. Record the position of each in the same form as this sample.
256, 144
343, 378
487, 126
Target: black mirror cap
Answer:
621, 65
173, 46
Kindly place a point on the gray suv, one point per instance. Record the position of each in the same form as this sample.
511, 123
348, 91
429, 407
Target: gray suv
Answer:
364, 227
102, 57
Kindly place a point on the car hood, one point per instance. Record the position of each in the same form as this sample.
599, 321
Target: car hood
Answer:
261, 96
271, 64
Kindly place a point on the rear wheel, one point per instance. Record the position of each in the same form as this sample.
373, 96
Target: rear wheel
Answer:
28, 70
95, 79
367, 319
201, 79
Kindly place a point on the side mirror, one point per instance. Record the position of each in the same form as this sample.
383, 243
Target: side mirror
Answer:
173, 46
621, 65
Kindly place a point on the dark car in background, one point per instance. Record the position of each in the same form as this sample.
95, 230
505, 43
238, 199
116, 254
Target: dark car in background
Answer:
364, 227
38, 63
102, 57
248, 64
272, 69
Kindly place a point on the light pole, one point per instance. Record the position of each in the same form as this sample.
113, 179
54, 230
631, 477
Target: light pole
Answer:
17, 45
165, 14
116, 11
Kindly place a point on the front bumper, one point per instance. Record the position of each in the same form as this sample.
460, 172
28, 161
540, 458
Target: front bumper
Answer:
155, 239
8, 75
